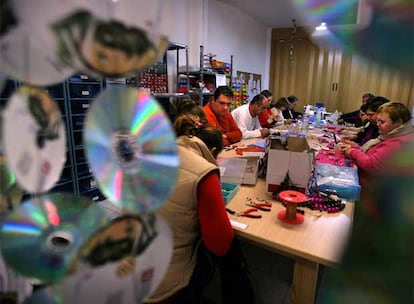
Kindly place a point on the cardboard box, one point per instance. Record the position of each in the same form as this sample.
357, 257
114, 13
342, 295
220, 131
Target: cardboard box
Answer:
251, 171
295, 158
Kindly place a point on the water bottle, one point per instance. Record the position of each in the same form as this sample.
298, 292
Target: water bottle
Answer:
305, 123
318, 117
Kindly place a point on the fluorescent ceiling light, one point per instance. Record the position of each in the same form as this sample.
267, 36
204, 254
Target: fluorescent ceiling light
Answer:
321, 27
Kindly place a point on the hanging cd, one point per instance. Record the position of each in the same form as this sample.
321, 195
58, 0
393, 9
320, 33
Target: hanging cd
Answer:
130, 146
108, 39
27, 45
34, 139
122, 263
7, 178
41, 237
14, 288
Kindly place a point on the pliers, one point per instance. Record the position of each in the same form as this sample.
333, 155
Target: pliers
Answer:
265, 206
246, 213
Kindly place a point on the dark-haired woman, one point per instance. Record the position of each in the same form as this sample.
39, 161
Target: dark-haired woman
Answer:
197, 217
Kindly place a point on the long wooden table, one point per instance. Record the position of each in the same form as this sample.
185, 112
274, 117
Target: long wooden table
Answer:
320, 240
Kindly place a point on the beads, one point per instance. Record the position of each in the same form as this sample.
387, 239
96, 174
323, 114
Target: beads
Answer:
322, 202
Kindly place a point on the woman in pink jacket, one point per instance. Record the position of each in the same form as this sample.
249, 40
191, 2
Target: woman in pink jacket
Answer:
395, 128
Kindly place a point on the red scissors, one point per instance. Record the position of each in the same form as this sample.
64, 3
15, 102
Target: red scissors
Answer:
265, 206
246, 213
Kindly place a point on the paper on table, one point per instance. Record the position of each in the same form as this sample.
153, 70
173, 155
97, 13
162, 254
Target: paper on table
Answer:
238, 224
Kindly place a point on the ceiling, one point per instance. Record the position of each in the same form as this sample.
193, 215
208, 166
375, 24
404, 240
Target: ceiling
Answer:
279, 13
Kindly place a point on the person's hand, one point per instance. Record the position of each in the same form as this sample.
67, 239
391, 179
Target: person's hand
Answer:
288, 121
349, 142
345, 148
264, 132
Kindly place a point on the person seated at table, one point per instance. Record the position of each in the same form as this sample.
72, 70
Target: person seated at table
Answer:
354, 117
371, 130
289, 114
266, 117
277, 109
218, 115
189, 106
385, 218
394, 126
246, 117
202, 233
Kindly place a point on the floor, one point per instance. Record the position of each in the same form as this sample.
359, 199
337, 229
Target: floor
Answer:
271, 276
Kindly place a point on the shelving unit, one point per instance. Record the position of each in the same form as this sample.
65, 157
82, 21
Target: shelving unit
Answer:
80, 90
206, 76
170, 100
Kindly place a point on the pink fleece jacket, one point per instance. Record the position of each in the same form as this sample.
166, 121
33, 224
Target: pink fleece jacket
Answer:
369, 162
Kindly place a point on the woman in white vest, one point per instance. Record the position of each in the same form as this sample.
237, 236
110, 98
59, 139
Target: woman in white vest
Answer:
197, 217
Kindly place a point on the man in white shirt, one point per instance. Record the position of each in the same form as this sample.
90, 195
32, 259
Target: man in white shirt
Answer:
246, 117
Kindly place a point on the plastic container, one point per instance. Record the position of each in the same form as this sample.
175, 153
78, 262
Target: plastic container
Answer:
228, 190
344, 180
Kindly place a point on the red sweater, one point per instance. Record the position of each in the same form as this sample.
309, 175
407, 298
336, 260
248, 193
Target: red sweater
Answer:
216, 230
226, 125
263, 117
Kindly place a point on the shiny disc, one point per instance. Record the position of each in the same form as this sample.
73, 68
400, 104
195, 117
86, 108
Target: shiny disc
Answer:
40, 238
121, 263
7, 178
34, 139
27, 45
130, 146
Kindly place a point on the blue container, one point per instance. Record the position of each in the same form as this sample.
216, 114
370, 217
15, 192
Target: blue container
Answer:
228, 190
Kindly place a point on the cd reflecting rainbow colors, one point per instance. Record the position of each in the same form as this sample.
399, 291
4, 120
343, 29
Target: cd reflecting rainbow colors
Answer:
40, 238
130, 146
7, 178
121, 263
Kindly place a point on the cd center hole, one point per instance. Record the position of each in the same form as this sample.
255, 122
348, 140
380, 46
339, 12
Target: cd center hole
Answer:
125, 150
59, 241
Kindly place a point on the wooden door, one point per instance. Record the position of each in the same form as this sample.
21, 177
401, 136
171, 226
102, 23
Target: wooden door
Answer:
360, 75
301, 68
334, 77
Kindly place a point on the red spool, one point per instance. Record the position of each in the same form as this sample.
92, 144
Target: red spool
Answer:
289, 215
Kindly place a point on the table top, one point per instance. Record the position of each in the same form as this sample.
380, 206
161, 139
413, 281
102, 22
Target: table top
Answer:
320, 238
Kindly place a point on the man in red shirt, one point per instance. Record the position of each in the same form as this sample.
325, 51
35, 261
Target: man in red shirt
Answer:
218, 115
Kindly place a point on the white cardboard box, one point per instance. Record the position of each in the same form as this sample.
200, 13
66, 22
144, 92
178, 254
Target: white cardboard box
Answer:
296, 160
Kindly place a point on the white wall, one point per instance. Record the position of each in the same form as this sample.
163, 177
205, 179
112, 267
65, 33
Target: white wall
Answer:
222, 30
232, 32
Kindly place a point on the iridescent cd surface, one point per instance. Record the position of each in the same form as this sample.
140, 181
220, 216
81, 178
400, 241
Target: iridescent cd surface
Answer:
40, 238
34, 139
121, 263
131, 148
7, 178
